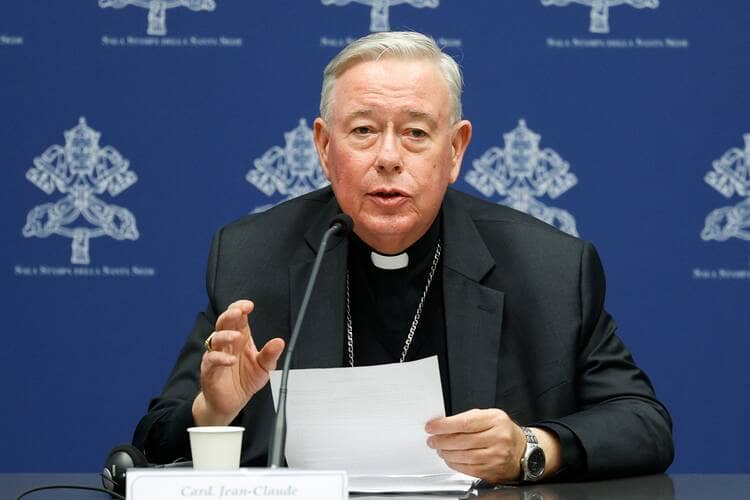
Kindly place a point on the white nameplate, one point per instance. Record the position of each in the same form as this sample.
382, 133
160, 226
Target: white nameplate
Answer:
278, 484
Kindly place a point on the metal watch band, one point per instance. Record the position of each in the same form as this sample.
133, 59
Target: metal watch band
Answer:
530, 436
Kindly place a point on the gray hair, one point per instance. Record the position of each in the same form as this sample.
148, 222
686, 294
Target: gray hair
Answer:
400, 44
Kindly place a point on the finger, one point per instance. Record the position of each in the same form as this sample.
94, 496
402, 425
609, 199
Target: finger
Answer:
228, 341
231, 319
466, 422
460, 441
244, 305
269, 356
465, 457
216, 359
235, 316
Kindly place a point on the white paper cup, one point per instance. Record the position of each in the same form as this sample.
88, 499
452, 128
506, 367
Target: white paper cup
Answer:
216, 447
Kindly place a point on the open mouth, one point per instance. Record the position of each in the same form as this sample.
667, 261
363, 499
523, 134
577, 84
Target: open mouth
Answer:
388, 196
387, 193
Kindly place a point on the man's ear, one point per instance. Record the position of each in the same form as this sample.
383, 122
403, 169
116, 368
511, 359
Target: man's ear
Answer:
459, 143
322, 137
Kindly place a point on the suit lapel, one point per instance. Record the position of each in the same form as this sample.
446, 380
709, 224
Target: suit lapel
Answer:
473, 312
321, 340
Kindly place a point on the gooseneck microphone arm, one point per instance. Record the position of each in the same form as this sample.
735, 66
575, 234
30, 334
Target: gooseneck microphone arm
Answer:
341, 225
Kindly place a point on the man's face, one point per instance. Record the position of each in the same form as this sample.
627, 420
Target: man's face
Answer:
390, 150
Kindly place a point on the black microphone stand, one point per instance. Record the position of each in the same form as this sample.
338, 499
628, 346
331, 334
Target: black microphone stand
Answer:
340, 225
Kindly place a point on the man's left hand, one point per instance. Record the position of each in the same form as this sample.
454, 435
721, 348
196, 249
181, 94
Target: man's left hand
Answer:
482, 443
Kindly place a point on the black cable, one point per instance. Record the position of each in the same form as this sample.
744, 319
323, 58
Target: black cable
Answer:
69, 487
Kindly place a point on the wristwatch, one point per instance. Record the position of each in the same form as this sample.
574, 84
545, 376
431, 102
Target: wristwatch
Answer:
533, 460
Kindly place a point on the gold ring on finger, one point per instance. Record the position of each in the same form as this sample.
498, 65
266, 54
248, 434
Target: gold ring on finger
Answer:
207, 343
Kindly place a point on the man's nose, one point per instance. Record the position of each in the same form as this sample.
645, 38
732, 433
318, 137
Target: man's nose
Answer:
389, 155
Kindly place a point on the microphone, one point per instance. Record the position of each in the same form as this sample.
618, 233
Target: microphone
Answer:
340, 225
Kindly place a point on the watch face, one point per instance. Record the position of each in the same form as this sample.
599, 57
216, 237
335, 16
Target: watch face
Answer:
535, 462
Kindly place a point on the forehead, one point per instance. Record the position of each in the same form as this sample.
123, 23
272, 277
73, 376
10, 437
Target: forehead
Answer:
392, 83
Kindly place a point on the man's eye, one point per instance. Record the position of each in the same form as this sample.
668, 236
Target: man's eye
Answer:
417, 133
362, 130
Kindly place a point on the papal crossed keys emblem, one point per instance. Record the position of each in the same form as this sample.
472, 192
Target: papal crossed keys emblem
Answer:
157, 10
81, 170
600, 9
520, 172
730, 176
290, 171
379, 12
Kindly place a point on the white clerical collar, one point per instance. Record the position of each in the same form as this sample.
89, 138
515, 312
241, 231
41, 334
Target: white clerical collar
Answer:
389, 262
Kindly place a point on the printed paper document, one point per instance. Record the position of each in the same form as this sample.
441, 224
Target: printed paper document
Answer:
370, 422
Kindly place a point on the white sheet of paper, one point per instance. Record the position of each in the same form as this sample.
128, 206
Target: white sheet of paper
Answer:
366, 420
453, 482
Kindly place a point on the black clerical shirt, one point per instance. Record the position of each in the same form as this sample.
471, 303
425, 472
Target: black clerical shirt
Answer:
384, 303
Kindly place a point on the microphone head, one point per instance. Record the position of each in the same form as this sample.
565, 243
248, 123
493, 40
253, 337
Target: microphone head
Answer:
344, 223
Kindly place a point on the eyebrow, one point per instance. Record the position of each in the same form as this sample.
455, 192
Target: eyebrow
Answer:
421, 115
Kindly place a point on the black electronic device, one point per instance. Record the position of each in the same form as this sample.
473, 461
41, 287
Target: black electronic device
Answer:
124, 457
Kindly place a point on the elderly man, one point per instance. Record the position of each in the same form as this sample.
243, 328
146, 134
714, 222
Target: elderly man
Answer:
531, 368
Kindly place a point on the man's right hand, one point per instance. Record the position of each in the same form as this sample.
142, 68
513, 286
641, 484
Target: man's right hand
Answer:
234, 370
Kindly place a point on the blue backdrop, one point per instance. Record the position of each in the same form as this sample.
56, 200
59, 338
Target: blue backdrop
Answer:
129, 135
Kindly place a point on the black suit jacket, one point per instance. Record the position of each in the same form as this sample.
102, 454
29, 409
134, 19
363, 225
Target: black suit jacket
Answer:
526, 329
